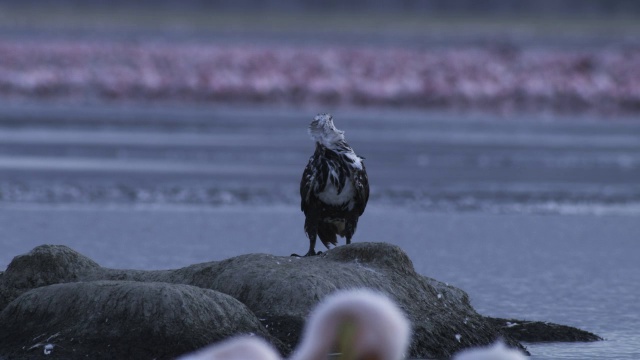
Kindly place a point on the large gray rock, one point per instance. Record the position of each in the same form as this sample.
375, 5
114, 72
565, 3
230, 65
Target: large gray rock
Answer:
55, 264
281, 291
120, 320
44, 265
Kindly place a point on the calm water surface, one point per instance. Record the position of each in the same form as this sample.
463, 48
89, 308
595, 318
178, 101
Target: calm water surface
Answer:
578, 270
536, 218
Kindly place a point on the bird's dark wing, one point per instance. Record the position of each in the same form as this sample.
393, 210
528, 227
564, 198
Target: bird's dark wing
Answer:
313, 179
306, 184
361, 184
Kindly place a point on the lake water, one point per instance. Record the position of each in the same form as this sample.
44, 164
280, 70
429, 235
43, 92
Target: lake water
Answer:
535, 219
579, 270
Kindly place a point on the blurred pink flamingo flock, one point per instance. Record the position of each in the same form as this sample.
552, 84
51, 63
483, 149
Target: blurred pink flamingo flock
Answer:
489, 77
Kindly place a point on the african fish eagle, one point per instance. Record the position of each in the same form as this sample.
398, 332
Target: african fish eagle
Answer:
334, 186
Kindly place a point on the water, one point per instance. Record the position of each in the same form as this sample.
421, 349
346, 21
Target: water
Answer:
579, 270
536, 220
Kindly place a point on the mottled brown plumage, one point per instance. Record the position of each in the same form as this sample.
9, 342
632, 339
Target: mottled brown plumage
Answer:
334, 189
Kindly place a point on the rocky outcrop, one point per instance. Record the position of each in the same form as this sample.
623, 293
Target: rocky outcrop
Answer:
540, 331
280, 291
44, 265
121, 320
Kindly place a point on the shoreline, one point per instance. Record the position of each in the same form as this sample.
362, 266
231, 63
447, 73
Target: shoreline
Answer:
508, 79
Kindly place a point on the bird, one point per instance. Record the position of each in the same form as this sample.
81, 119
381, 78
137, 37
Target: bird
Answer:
237, 348
364, 324
334, 189
497, 351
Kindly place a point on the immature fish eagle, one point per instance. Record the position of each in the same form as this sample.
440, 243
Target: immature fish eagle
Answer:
334, 187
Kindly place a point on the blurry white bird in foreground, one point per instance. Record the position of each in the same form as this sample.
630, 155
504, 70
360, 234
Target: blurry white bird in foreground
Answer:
359, 324
497, 351
365, 324
239, 348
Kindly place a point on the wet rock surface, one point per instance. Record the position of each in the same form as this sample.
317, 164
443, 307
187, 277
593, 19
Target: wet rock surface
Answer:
120, 320
279, 291
540, 331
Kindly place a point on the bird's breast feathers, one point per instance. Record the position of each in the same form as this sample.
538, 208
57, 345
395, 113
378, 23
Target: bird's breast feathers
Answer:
333, 177
332, 195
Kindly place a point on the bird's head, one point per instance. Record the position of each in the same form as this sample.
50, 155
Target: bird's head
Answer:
362, 323
324, 132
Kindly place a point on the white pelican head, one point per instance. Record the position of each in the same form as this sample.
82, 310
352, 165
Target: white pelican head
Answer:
238, 348
497, 351
362, 323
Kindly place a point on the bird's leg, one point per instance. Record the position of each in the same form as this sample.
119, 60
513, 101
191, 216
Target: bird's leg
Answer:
312, 246
311, 228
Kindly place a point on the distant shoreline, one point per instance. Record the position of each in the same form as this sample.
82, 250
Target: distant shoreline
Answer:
494, 77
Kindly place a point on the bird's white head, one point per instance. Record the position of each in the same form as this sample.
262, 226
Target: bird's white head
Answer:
497, 351
324, 132
362, 323
238, 348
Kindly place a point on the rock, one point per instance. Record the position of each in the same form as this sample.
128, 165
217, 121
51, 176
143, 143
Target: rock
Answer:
281, 291
120, 320
44, 265
55, 264
539, 331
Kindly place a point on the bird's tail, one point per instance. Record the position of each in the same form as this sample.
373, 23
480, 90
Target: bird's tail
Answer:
327, 234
